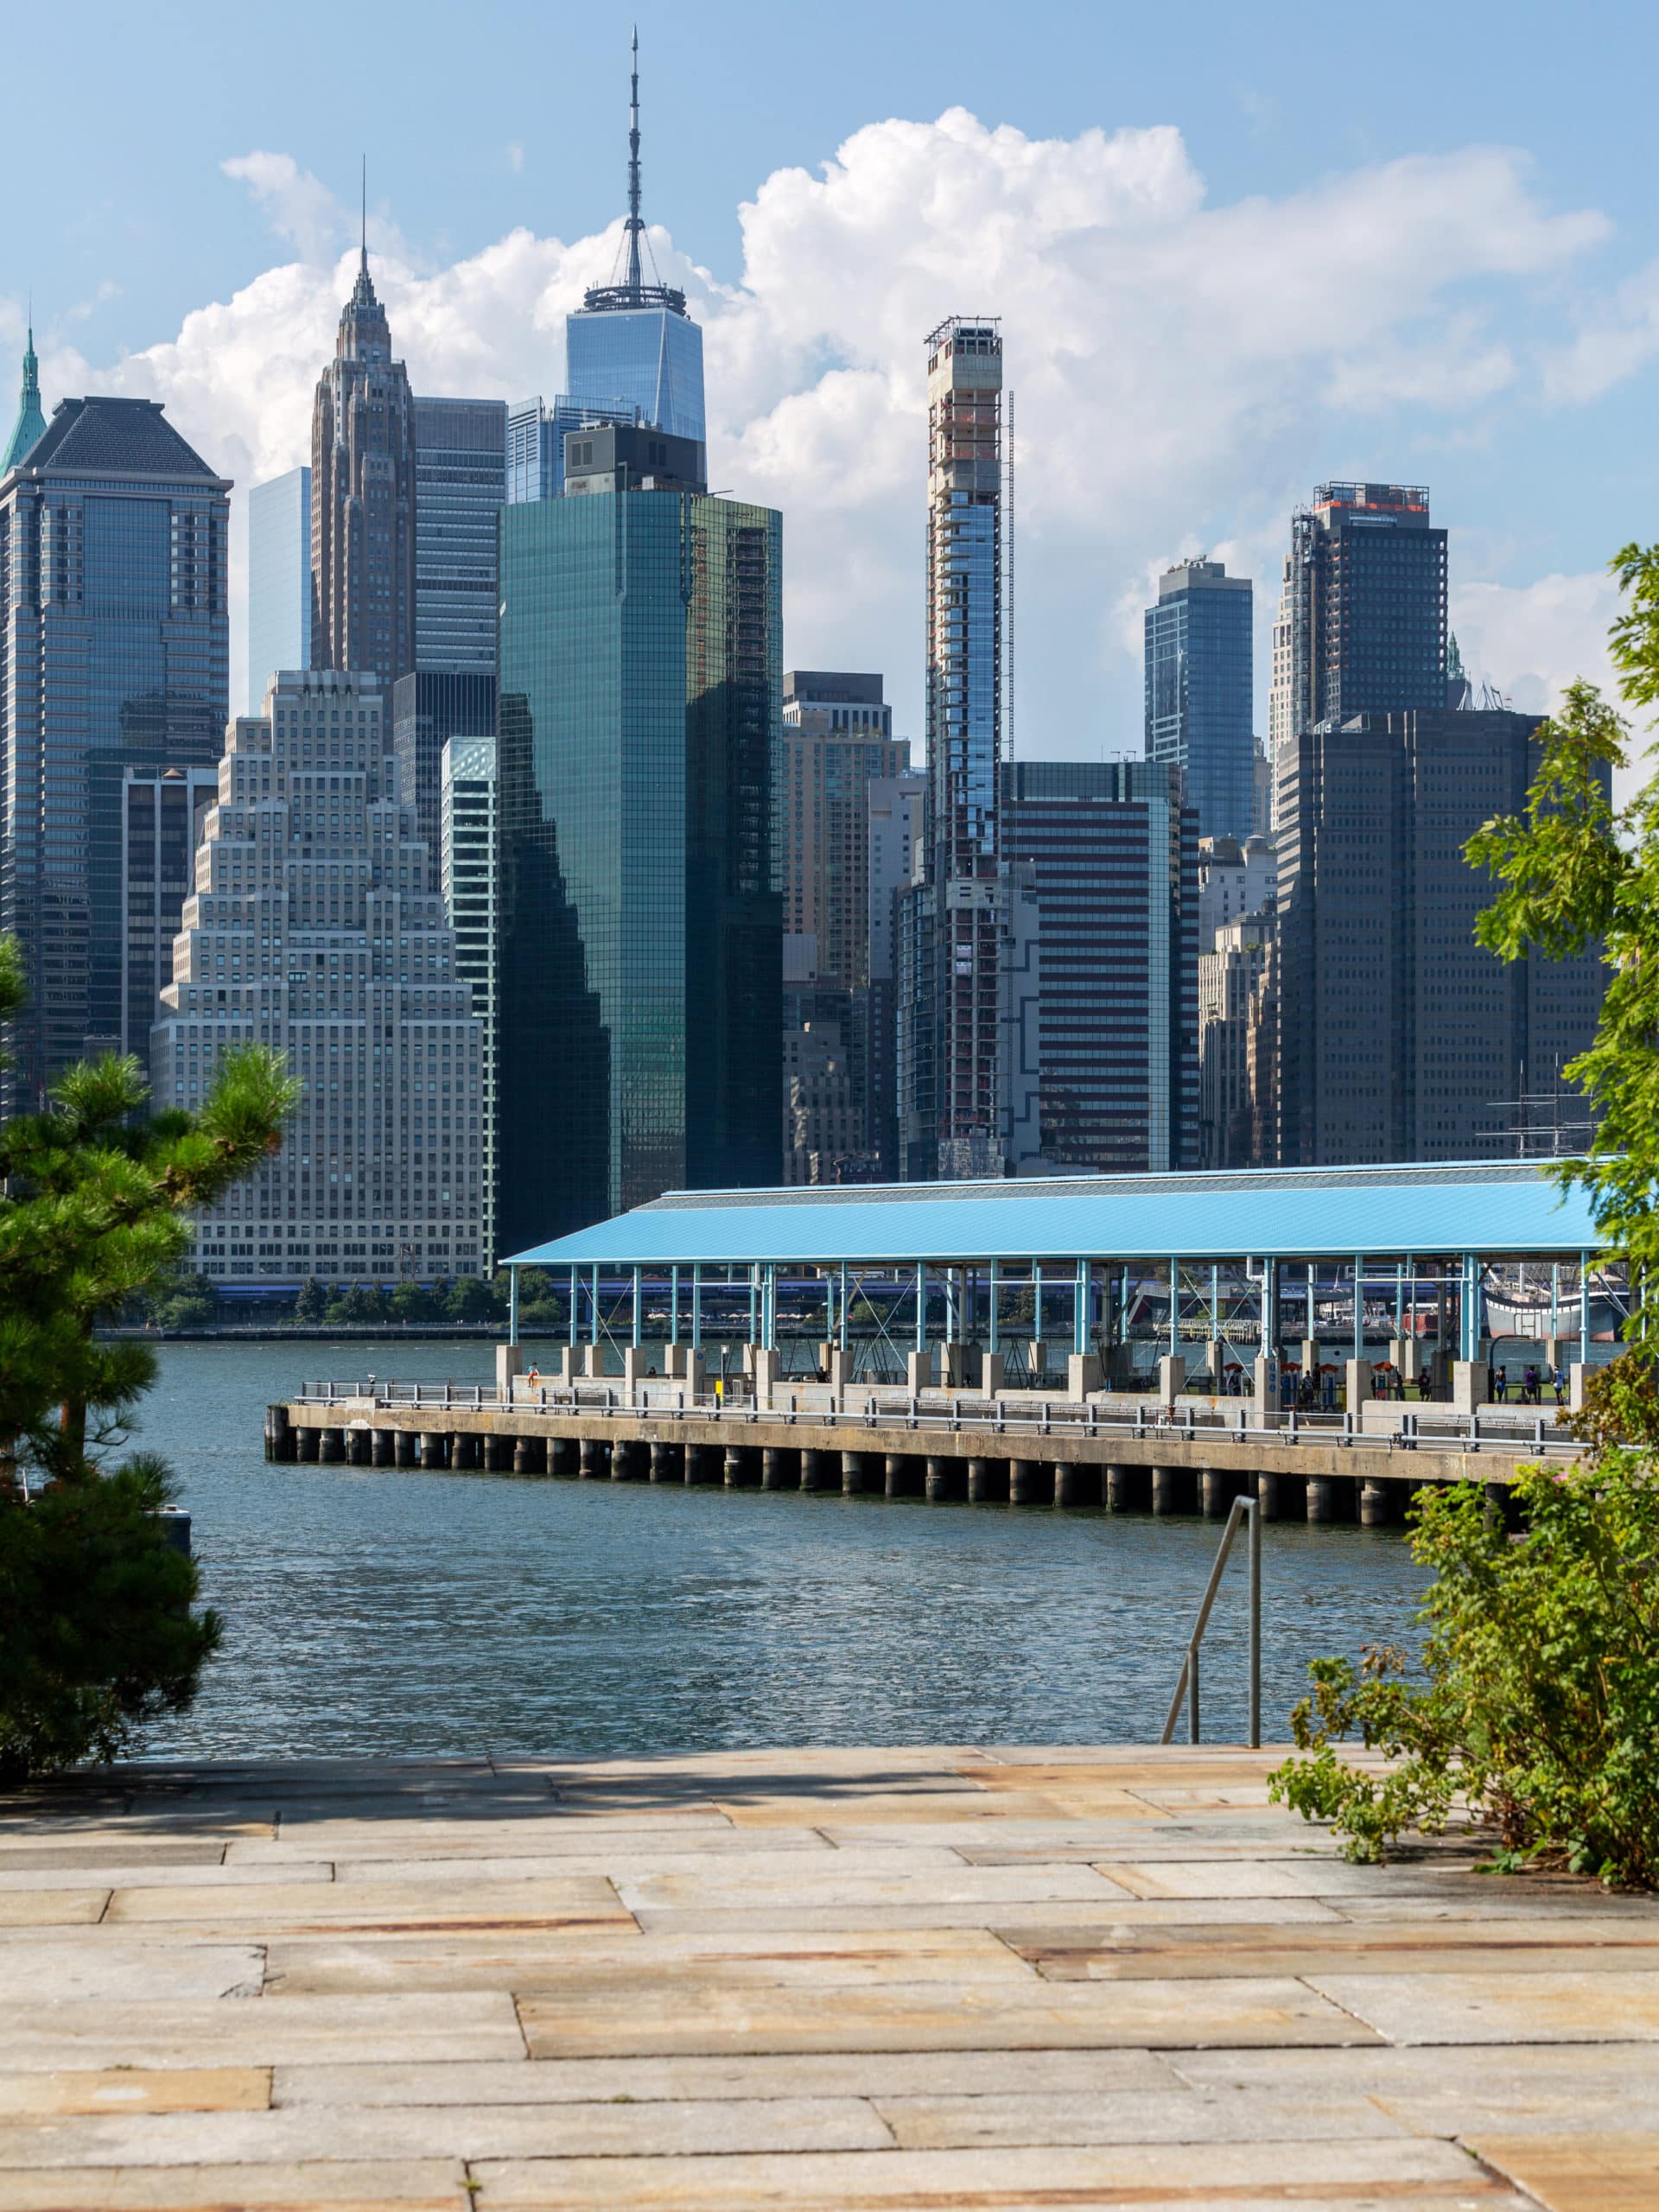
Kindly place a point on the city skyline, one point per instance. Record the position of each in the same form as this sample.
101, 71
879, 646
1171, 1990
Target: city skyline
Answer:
1494, 327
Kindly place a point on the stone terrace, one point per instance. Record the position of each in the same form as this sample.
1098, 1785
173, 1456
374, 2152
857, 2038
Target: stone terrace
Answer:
827, 1980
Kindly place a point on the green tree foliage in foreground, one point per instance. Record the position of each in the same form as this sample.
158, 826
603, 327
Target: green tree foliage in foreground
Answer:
1538, 1704
95, 1633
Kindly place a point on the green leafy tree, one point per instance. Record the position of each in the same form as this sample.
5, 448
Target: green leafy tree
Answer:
312, 1304
189, 1302
471, 1299
413, 1301
360, 1302
95, 1633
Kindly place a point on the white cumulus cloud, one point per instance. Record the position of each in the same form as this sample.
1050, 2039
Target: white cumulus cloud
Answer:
1183, 371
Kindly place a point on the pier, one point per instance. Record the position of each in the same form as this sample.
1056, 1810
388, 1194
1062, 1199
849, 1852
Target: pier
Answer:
1017, 1450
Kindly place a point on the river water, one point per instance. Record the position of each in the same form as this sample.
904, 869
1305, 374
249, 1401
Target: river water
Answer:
381, 1611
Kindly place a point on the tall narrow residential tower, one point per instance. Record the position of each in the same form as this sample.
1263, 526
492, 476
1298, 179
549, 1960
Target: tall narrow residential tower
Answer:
952, 1107
363, 498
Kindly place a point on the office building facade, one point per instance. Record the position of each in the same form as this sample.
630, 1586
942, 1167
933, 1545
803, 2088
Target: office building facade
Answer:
954, 1113
896, 808
279, 580
363, 501
837, 739
1199, 692
468, 872
1113, 854
429, 708
1234, 878
316, 926
461, 484
640, 940
164, 816
1237, 1044
1362, 624
1400, 1037
113, 557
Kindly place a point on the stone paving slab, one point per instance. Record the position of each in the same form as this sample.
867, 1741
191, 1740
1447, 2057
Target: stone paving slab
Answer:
833, 1980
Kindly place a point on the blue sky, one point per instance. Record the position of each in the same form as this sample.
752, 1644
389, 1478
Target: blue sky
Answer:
1186, 219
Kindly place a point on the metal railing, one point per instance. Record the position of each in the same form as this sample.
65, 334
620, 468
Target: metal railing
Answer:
1186, 1690
1434, 1429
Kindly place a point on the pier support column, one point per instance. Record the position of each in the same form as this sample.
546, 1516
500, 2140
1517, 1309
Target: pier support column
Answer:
357, 1447
1267, 1502
740, 1466
1076, 1483
1376, 1504
1216, 1488
939, 1480
463, 1449
331, 1446
1025, 1483
279, 1434
817, 1471
590, 1464
1321, 1498
305, 1444
982, 1481
1124, 1489
498, 1453
897, 1475
626, 1458
700, 1463
528, 1455
406, 1447
1170, 1489
663, 1469
778, 1468
852, 1477
434, 1449
1081, 1374
380, 1448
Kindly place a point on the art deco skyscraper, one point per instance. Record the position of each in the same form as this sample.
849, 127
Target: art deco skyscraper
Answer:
30, 425
363, 498
315, 926
953, 1112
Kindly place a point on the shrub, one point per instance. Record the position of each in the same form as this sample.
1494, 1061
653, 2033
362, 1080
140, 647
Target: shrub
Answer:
1538, 1702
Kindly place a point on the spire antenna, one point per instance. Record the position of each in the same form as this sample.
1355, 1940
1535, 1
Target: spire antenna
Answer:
635, 224
363, 233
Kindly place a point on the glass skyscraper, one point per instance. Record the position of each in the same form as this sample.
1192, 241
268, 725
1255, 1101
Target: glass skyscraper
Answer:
461, 467
113, 539
1198, 694
639, 957
279, 580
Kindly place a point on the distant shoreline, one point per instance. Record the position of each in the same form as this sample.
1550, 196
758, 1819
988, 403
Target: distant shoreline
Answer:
328, 1333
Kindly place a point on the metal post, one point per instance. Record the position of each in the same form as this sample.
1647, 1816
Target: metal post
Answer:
575, 1301
990, 1334
594, 1316
513, 1305
842, 1317
921, 1305
1036, 1302
755, 1287
1555, 1298
1398, 1301
1192, 1691
1215, 1303
770, 1308
1311, 1330
1080, 1310
674, 1304
1174, 1308
1584, 1308
1359, 1305
1254, 1713
637, 1317
696, 1305
1186, 1690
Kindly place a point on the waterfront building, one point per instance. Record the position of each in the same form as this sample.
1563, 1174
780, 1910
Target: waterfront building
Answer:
1361, 627
1235, 1040
954, 1110
640, 944
467, 865
632, 346
460, 484
316, 926
279, 580
363, 508
116, 645
430, 707
163, 814
1400, 1037
1234, 878
30, 425
1199, 696
896, 808
1113, 853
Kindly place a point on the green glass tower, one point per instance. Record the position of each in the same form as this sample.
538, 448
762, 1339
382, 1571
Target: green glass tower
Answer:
639, 954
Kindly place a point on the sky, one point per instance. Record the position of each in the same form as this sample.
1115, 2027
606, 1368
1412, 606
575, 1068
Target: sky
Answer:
1235, 251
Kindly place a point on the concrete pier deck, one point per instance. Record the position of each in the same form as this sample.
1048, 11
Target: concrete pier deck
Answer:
825, 1980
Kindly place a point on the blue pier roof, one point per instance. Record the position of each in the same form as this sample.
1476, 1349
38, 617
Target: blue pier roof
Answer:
1486, 1207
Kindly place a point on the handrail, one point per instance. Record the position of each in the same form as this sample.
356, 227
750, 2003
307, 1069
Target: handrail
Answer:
1186, 1690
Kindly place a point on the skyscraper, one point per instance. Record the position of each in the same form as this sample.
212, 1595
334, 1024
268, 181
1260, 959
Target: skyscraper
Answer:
428, 708
1198, 691
632, 346
30, 423
363, 505
1361, 612
116, 645
897, 806
1113, 855
315, 925
536, 436
466, 816
953, 1114
1400, 1037
639, 961
163, 813
279, 580
460, 482
836, 739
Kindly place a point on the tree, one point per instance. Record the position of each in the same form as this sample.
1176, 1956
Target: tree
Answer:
95, 1633
413, 1301
312, 1304
1574, 869
359, 1301
471, 1299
